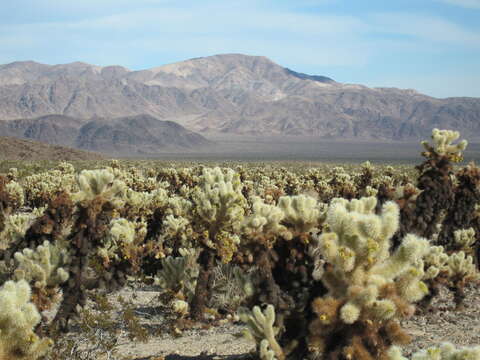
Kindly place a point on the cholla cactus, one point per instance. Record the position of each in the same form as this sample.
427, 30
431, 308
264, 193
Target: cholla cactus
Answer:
16, 195
15, 228
460, 270
464, 239
178, 206
178, 278
261, 329
370, 191
45, 268
122, 233
435, 261
462, 215
363, 181
461, 266
454, 270
218, 199
301, 213
136, 204
143, 204
368, 287
41, 188
66, 168
342, 183
218, 214
4, 203
99, 196
442, 144
264, 224
18, 319
176, 233
93, 183
12, 174
436, 181
179, 274
261, 231
446, 351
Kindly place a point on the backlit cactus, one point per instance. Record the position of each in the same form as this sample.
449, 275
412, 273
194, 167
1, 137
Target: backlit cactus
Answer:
265, 222
369, 288
301, 213
18, 319
93, 183
219, 200
218, 214
465, 238
442, 144
460, 270
43, 266
16, 195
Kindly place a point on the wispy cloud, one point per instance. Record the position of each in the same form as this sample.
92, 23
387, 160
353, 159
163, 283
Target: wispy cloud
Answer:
319, 36
469, 4
434, 30
309, 38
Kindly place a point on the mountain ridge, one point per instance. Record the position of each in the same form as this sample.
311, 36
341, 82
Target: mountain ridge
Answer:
232, 94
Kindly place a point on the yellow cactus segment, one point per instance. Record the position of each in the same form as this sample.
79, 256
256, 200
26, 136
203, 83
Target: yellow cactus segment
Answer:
345, 253
372, 245
423, 287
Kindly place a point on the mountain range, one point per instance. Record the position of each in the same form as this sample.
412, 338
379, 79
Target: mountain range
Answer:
221, 94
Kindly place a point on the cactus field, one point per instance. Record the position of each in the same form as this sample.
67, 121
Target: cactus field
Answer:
151, 260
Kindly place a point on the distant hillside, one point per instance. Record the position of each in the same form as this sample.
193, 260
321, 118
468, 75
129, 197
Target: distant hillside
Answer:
20, 149
232, 94
140, 134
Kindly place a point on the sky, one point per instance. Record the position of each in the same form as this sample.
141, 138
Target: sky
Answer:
432, 46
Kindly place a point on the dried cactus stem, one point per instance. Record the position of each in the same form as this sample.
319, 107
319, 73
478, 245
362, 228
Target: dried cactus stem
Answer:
462, 212
91, 224
74, 290
4, 202
433, 291
268, 284
458, 290
206, 260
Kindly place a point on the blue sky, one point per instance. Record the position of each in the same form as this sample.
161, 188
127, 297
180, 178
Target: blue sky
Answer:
429, 45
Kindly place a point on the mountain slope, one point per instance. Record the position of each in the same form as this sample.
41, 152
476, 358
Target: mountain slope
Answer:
21, 149
231, 93
139, 134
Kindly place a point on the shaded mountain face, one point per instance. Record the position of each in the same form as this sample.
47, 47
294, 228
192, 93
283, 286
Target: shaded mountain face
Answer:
231, 93
139, 134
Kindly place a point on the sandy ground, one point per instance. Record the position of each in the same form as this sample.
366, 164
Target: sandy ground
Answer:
441, 324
